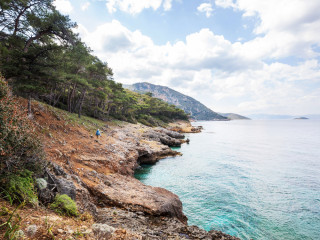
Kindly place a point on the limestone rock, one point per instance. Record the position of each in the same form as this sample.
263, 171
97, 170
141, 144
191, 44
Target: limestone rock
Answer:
58, 170
170, 133
45, 193
66, 187
164, 136
220, 235
102, 231
129, 193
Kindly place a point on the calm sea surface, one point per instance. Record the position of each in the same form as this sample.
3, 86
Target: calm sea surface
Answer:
251, 179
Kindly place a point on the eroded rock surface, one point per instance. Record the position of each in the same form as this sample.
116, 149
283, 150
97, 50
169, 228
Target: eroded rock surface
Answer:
98, 174
150, 227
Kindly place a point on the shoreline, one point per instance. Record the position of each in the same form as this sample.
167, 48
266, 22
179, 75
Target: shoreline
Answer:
99, 175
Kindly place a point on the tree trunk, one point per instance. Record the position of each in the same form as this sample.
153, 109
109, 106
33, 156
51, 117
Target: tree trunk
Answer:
81, 102
56, 100
70, 96
95, 111
37, 36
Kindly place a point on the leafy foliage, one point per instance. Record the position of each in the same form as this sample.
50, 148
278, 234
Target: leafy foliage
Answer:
18, 187
42, 58
64, 205
19, 145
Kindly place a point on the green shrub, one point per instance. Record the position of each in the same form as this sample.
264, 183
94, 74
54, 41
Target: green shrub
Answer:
145, 122
19, 187
64, 205
20, 147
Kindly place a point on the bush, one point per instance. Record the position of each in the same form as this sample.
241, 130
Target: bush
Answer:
145, 122
64, 205
19, 187
20, 148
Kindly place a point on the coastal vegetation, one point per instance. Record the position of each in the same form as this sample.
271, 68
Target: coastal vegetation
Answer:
43, 59
21, 153
21, 159
97, 174
56, 179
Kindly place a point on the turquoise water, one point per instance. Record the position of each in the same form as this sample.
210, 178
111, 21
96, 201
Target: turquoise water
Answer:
251, 179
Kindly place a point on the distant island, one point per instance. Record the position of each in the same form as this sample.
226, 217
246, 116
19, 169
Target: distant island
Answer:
301, 118
263, 116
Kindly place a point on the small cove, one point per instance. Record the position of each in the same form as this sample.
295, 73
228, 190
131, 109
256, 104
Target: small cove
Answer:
251, 179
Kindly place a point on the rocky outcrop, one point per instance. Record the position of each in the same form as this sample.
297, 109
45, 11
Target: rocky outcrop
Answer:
127, 193
184, 127
99, 172
164, 136
149, 227
99, 175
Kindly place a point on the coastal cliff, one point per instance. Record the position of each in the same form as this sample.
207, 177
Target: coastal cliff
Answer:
98, 173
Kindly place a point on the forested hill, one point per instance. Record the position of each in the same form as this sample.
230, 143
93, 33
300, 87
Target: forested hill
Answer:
234, 116
197, 110
43, 59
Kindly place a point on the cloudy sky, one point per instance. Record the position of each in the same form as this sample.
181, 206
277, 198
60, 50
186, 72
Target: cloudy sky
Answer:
242, 56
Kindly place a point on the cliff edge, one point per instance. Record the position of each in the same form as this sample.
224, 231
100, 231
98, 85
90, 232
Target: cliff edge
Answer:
98, 174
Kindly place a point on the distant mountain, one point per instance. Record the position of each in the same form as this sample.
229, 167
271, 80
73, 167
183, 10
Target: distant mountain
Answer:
197, 110
234, 116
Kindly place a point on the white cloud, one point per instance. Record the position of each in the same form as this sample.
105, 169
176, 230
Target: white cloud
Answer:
85, 6
225, 3
287, 27
167, 5
205, 8
63, 6
135, 7
225, 76
113, 37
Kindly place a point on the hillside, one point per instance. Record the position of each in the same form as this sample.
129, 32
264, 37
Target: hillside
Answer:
234, 116
197, 110
98, 175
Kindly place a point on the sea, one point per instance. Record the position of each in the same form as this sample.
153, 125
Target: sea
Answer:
253, 179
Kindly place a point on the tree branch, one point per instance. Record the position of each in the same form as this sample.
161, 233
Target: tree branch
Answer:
39, 35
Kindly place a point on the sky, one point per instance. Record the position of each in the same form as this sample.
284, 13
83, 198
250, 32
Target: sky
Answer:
240, 56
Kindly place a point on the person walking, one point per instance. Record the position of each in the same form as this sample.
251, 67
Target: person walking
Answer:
98, 134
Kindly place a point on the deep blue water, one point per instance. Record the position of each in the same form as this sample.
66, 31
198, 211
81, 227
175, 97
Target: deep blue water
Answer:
251, 179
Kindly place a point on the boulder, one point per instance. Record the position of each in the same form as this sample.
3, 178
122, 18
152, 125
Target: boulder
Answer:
65, 186
129, 193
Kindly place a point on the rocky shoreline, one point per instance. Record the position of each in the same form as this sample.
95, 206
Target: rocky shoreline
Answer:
99, 175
